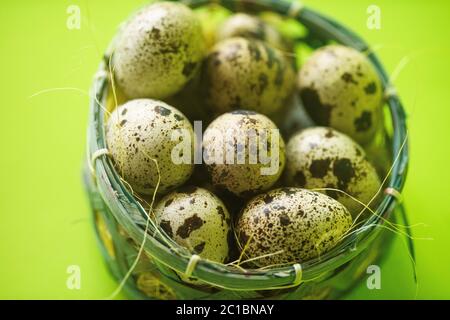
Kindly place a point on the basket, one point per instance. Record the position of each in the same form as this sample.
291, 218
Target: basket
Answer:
120, 219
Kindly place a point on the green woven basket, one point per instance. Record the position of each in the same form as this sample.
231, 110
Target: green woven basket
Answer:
120, 220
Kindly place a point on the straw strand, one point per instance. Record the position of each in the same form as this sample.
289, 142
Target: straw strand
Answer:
97, 154
295, 9
191, 265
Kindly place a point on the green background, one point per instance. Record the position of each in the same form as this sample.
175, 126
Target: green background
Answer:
45, 222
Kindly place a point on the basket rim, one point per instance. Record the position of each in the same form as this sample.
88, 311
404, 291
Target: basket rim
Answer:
107, 177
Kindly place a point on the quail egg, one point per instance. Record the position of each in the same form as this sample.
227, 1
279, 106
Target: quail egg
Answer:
143, 131
198, 220
247, 74
158, 51
322, 157
340, 88
291, 225
243, 152
251, 27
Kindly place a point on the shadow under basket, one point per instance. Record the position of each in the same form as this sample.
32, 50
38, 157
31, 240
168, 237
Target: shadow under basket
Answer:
120, 219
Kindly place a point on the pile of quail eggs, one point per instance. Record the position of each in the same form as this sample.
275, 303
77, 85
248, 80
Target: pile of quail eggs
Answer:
246, 79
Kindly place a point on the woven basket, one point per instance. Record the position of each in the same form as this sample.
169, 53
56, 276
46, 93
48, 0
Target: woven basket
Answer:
120, 220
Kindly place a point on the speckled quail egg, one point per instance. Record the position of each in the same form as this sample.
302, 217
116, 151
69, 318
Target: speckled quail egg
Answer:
145, 129
243, 152
247, 74
322, 157
251, 27
340, 88
291, 225
198, 220
158, 51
